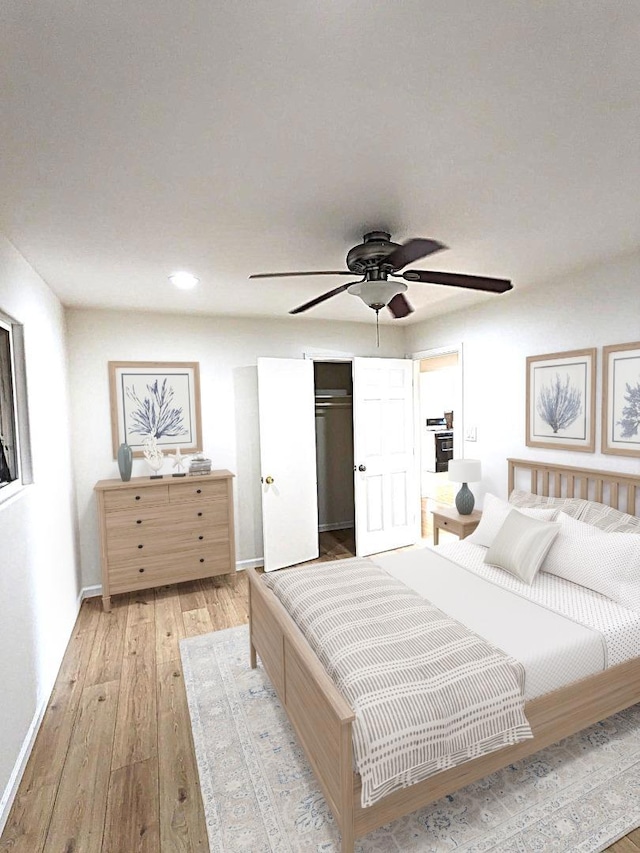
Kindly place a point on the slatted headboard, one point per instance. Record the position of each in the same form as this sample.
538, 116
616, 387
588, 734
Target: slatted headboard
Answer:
621, 491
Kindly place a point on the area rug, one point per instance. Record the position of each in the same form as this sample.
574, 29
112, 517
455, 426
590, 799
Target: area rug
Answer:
261, 797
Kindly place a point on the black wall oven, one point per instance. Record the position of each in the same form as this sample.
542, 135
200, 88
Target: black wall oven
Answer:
444, 449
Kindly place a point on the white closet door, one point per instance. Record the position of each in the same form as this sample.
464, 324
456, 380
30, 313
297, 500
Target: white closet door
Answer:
286, 404
386, 496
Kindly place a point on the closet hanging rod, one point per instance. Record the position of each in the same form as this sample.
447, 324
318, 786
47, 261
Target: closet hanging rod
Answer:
335, 403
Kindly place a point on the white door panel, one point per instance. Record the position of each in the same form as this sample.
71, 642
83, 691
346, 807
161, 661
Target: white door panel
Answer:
386, 495
286, 406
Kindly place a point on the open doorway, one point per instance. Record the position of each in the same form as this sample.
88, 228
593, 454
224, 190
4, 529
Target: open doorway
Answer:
439, 429
333, 387
375, 493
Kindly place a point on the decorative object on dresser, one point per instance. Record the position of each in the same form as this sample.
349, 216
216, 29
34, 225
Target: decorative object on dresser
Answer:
125, 462
155, 533
621, 399
199, 464
464, 471
448, 518
153, 399
561, 389
154, 456
179, 463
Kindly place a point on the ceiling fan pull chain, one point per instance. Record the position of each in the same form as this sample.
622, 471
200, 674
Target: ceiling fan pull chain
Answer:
377, 327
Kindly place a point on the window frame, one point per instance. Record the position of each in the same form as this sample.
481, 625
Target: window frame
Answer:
19, 410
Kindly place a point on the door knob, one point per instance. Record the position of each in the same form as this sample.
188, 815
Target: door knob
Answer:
269, 480
362, 467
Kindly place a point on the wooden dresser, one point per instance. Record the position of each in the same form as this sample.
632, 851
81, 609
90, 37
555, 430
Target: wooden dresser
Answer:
155, 532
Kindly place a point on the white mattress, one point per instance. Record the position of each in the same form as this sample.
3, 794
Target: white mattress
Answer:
560, 632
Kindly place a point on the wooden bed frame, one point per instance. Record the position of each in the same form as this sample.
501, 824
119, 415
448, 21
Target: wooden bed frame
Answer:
322, 718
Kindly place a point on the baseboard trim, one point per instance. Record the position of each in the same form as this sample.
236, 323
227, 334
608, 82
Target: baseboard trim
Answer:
13, 784
336, 525
90, 591
255, 563
9, 793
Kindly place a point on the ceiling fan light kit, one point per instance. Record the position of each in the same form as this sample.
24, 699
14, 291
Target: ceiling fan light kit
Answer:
376, 294
377, 258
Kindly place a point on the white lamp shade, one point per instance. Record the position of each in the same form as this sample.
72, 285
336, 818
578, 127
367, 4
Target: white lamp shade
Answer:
464, 470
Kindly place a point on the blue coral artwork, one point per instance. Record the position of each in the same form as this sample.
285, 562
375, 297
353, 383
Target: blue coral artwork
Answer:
621, 400
153, 411
156, 401
560, 400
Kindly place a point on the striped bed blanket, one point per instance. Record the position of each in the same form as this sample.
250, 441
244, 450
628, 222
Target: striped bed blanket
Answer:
427, 692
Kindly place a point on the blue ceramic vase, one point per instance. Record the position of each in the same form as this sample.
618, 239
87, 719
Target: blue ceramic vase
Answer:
125, 461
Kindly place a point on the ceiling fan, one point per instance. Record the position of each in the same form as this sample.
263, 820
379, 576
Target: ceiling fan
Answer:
376, 259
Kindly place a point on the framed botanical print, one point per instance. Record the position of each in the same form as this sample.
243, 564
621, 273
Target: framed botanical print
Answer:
151, 399
561, 390
621, 399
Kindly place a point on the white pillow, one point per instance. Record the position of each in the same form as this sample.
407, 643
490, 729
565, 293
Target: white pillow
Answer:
608, 563
494, 513
521, 545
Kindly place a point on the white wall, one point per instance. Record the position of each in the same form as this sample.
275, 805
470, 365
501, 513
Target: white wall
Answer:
437, 393
39, 576
589, 308
227, 350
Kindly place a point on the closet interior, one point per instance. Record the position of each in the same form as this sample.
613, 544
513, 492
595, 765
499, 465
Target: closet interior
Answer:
333, 385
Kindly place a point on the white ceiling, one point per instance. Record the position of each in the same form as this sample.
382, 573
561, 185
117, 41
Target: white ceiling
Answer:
235, 137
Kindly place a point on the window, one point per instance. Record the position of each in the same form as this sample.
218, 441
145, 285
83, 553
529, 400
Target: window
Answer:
13, 414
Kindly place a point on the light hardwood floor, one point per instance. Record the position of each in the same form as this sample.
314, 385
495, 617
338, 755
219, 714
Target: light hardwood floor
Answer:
112, 769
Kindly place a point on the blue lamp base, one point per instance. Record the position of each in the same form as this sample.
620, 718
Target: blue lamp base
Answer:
465, 500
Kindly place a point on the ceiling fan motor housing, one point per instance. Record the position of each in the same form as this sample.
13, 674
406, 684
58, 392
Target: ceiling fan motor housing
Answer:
364, 259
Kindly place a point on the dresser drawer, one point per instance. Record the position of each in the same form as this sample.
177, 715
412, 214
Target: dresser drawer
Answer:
141, 573
150, 520
140, 545
131, 498
198, 490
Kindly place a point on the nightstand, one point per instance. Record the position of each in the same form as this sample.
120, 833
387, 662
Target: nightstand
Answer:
448, 518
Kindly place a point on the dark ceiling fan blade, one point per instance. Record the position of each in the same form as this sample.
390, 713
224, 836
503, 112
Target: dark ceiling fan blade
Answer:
285, 274
322, 298
453, 279
412, 251
400, 306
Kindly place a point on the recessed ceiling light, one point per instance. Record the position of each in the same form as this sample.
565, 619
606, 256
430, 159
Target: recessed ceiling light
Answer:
183, 280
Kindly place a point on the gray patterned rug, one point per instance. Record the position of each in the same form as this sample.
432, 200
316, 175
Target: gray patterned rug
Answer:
261, 797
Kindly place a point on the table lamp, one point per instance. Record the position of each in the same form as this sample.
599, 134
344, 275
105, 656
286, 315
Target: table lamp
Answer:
464, 471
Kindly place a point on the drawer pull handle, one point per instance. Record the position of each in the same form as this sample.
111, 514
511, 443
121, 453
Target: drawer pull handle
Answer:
140, 546
200, 537
199, 513
198, 491
139, 521
202, 559
137, 497
141, 570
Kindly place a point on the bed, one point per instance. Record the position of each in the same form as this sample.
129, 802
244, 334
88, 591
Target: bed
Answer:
323, 719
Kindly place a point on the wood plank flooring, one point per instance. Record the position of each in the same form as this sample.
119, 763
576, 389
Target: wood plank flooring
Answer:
113, 768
